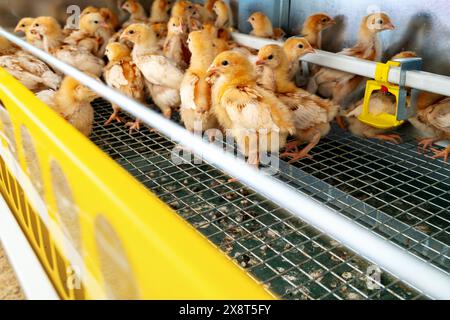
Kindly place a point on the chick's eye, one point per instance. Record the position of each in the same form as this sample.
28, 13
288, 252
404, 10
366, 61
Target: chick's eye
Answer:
190, 7
225, 63
23, 25
37, 25
324, 20
300, 46
96, 22
174, 25
380, 21
270, 57
131, 32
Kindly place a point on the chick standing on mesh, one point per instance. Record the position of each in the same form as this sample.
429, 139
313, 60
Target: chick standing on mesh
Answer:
195, 91
33, 73
311, 114
336, 84
72, 102
162, 75
433, 122
263, 27
258, 121
48, 30
122, 74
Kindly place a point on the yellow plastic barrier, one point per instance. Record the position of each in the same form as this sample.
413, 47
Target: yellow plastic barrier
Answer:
97, 231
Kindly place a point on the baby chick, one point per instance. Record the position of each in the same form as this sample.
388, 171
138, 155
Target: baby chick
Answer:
224, 18
195, 92
24, 26
136, 11
257, 119
189, 13
294, 49
110, 18
90, 36
160, 11
175, 47
122, 74
72, 102
313, 27
338, 84
29, 70
162, 75
48, 30
312, 115
263, 28
434, 123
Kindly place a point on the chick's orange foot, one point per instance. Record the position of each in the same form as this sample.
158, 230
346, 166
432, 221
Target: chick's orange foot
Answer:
425, 144
393, 138
444, 154
294, 156
134, 126
114, 117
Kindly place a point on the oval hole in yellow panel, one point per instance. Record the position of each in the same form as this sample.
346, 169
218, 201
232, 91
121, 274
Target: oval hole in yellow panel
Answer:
118, 279
68, 213
31, 160
8, 129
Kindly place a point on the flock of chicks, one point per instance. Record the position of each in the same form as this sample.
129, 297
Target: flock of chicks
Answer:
184, 58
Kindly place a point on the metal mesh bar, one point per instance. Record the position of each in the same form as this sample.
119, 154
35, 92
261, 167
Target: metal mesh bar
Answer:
388, 189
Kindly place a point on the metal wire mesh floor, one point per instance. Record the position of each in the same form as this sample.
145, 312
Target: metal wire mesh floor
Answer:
388, 189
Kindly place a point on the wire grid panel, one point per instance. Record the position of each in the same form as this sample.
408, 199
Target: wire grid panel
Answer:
368, 182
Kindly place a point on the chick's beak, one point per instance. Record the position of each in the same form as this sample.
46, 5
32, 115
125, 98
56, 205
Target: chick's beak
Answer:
390, 26
260, 62
332, 22
17, 29
212, 70
310, 50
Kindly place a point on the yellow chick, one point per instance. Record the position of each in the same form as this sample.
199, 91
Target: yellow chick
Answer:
160, 11
24, 26
337, 84
311, 114
93, 35
190, 14
162, 75
294, 49
136, 11
122, 74
175, 47
72, 102
313, 27
434, 124
258, 121
224, 17
48, 30
263, 28
195, 91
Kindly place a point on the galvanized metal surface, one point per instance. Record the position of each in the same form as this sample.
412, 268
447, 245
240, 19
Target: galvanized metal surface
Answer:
421, 26
388, 189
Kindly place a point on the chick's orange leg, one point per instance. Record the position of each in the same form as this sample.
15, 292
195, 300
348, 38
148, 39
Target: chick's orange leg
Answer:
134, 126
115, 115
340, 122
394, 138
304, 153
425, 144
441, 153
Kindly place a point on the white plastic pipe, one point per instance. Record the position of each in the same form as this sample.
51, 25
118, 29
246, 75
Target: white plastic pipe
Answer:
423, 276
415, 79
